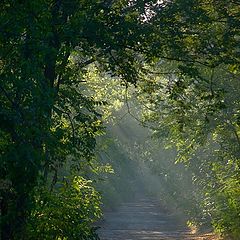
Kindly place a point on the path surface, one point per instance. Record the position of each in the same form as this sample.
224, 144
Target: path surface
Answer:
144, 220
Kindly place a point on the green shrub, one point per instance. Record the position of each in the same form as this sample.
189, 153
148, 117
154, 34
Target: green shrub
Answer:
68, 212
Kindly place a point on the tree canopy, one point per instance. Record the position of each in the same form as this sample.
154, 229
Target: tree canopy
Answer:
182, 57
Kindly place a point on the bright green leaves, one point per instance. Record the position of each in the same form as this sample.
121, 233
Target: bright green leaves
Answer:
66, 213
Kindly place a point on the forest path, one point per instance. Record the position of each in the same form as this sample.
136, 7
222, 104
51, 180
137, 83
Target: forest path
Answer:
143, 219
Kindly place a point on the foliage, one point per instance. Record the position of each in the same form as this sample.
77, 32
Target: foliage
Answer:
47, 123
192, 102
182, 55
199, 118
66, 213
190, 99
106, 91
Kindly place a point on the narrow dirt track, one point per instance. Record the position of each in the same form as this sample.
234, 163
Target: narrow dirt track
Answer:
144, 220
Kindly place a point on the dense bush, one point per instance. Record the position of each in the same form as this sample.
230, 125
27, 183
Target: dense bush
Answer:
67, 212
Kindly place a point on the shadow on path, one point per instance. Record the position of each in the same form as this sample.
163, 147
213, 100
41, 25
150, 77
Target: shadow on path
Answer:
143, 219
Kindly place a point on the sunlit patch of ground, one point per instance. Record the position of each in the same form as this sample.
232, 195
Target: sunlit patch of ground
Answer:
208, 236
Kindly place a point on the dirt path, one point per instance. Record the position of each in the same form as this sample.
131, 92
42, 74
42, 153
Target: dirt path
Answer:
144, 220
